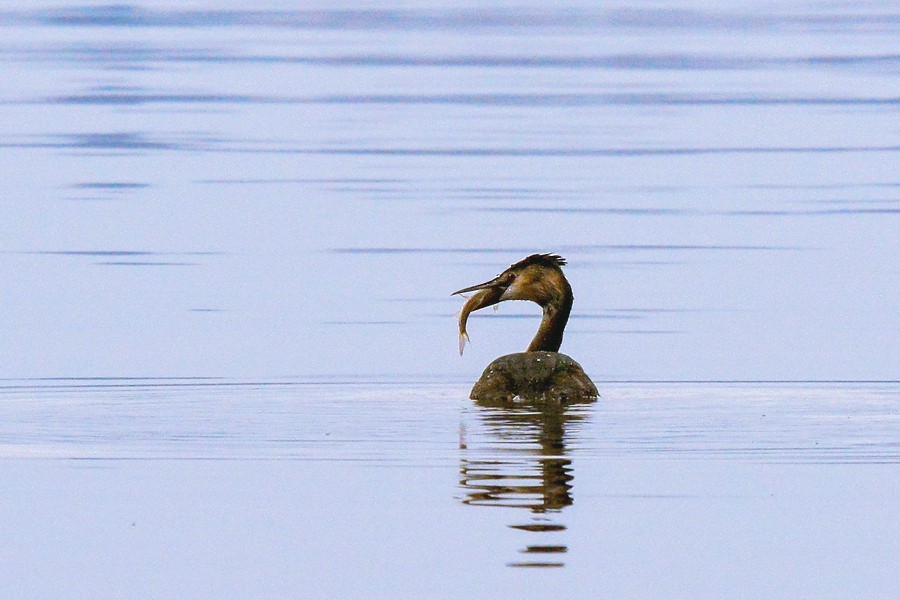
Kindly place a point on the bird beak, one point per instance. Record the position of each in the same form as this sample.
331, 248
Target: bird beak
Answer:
493, 283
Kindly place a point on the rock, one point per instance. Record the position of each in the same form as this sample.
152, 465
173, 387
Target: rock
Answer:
534, 377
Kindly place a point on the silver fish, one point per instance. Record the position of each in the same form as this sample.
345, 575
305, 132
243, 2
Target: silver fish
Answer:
481, 299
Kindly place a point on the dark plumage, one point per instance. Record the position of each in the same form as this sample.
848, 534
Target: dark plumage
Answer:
548, 260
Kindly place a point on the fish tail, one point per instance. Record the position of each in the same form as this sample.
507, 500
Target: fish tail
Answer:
463, 338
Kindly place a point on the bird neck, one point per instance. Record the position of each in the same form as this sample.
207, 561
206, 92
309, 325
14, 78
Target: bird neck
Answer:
556, 314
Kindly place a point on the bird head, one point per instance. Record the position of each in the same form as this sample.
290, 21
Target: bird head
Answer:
537, 278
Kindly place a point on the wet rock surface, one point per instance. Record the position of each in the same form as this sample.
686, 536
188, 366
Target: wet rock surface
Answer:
533, 377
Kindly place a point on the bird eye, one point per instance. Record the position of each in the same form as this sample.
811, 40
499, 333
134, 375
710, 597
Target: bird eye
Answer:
508, 278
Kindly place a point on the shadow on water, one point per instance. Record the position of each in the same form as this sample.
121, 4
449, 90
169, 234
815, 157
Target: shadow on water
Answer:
523, 464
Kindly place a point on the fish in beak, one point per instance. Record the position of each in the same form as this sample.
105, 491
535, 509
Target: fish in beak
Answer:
487, 294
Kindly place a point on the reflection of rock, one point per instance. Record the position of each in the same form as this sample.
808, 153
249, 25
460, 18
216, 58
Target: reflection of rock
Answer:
488, 483
524, 466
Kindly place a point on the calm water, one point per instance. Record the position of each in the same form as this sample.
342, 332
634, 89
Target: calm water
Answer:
261, 191
228, 234
201, 489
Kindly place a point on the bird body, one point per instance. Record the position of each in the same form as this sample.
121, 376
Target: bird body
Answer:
540, 372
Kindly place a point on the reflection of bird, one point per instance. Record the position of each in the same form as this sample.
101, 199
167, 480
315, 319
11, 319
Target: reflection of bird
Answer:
540, 372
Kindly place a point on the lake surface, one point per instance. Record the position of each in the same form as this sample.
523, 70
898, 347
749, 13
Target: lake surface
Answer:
229, 231
203, 490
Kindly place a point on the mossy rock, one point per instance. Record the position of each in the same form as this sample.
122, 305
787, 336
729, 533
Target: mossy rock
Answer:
534, 377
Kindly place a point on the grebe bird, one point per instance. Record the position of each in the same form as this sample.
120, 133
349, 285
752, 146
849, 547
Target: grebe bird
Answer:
541, 372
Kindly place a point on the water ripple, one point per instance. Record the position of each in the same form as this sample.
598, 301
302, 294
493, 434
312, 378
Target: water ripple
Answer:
587, 152
137, 55
593, 248
622, 99
140, 98
443, 18
220, 418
